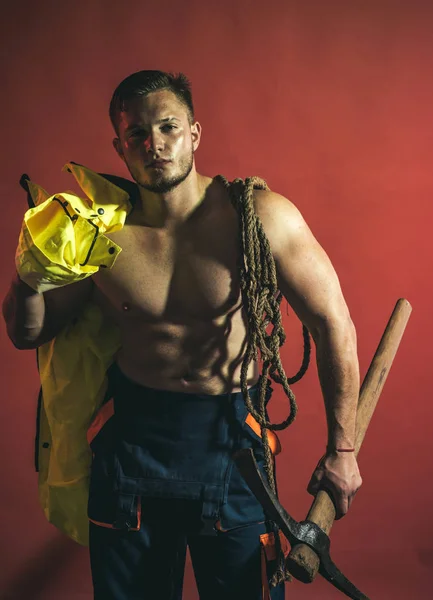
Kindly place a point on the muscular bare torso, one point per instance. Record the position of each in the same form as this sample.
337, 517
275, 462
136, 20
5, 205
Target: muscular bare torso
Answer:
176, 298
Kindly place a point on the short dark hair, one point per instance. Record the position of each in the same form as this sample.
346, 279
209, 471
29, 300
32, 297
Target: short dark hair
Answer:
145, 82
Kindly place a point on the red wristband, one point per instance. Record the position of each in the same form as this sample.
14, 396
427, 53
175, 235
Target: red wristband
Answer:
329, 449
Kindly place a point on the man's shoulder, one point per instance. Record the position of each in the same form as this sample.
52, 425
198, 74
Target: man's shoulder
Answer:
280, 218
273, 207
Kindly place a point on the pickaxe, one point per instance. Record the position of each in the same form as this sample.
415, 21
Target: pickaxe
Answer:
309, 539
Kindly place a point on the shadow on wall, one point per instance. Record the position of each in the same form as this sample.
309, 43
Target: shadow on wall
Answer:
37, 570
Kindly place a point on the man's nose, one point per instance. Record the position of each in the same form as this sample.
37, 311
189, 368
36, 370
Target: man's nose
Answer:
153, 142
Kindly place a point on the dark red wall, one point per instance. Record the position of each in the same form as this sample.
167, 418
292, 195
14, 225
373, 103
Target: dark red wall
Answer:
330, 102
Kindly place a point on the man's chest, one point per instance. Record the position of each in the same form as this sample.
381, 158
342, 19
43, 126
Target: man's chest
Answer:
166, 277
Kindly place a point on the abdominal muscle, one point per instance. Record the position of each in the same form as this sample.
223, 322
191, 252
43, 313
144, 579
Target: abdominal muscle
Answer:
184, 358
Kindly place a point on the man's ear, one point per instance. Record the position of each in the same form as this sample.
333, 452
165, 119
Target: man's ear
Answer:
195, 135
118, 147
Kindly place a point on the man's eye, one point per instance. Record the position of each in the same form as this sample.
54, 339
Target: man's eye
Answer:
168, 127
138, 133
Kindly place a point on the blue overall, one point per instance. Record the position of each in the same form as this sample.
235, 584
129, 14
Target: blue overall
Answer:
162, 479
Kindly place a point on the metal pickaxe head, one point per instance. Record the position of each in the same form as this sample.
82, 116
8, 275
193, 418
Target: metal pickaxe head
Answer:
304, 532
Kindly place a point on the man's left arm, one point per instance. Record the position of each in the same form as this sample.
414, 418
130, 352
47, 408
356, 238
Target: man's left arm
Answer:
310, 284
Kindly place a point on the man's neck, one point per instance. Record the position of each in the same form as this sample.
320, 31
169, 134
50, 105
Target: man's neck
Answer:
169, 211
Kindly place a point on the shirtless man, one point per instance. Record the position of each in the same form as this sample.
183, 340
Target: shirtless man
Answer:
174, 291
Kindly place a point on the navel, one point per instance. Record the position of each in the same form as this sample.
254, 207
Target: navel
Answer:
187, 379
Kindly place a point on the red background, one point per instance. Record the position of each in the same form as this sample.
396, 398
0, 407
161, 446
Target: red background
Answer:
331, 103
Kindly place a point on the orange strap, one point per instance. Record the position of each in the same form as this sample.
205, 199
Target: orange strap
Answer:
274, 442
267, 541
105, 413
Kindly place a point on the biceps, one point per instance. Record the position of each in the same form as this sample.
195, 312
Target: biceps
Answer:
310, 284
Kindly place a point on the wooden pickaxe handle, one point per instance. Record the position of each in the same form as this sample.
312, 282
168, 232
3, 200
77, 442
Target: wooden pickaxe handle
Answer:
303, 562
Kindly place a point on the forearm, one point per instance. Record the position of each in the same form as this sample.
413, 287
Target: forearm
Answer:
24, 313
338, 369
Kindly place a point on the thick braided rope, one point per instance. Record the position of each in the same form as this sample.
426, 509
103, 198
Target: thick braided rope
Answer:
262, 299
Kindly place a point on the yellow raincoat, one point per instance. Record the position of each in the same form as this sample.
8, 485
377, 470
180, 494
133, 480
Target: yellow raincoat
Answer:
62, 241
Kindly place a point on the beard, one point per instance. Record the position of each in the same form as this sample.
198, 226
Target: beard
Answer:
161, 183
